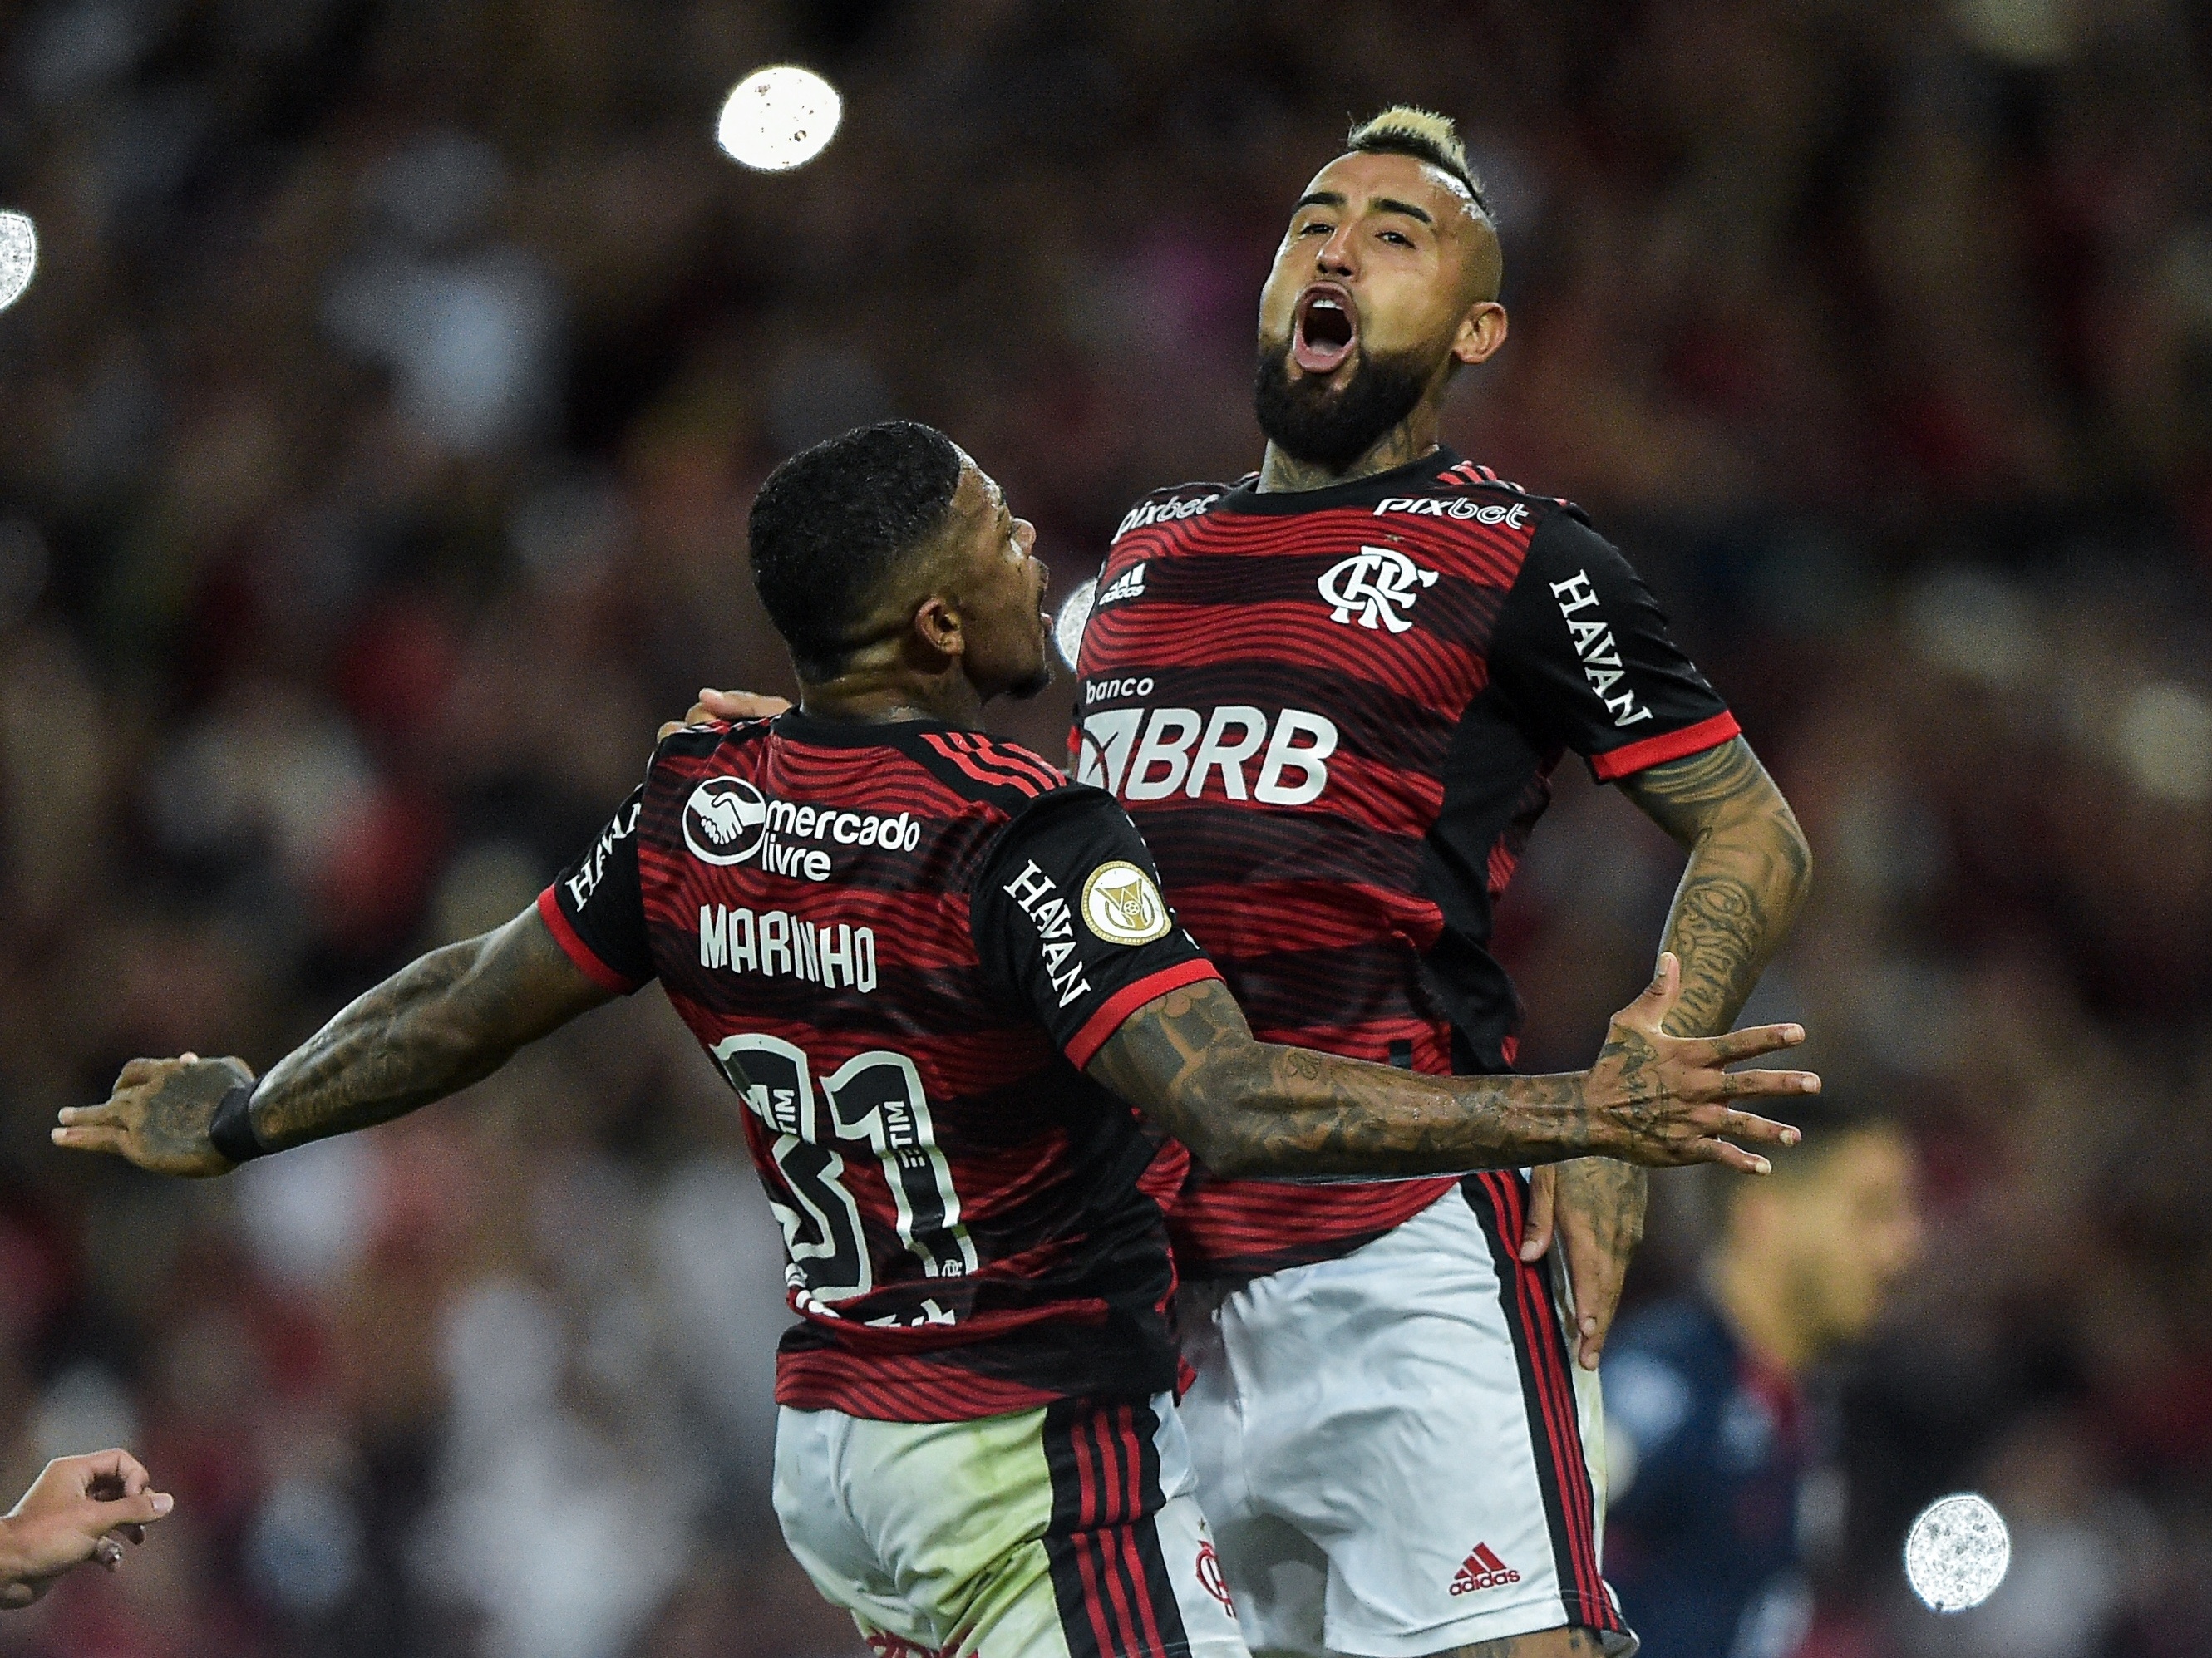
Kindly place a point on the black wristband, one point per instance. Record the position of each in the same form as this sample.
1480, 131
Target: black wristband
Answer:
231, 1129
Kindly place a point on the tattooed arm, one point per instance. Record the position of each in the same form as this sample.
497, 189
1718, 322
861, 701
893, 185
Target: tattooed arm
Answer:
1749, 870
1189, 1061
446, 1020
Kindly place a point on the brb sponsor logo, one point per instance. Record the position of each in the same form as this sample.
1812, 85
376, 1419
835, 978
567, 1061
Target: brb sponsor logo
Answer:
1149, 754
728, 820
1458, 506
1373, 586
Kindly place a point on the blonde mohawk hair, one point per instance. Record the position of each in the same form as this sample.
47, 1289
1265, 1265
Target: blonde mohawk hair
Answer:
1403, 129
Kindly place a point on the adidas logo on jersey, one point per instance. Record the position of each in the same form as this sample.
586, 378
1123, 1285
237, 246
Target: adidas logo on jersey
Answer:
1130, 584
1482, 1571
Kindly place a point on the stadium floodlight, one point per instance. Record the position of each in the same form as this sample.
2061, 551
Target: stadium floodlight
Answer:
1074, 615
19, 255
779, 118
1957, 1553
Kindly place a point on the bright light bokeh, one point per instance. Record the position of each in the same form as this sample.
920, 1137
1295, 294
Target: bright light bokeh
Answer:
1957, 1553
779, 118
19, 255
1074, 615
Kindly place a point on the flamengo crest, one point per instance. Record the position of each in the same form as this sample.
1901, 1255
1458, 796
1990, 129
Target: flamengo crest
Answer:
1373, 586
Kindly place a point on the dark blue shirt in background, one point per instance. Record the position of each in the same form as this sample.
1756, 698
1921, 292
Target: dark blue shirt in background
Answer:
1701, 1542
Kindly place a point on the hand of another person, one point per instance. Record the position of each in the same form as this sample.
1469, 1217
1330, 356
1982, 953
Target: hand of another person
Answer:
73, 1513
727, 705
158, 1115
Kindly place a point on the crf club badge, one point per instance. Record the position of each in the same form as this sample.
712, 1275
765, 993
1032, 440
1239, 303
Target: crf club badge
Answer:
1212, 1579
724, 820
1121, 905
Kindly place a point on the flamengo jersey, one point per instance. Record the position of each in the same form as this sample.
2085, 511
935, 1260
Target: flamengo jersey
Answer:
902, 944
1335, 714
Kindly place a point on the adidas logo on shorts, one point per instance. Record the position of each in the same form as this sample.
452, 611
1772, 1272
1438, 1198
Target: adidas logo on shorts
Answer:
1483, 1570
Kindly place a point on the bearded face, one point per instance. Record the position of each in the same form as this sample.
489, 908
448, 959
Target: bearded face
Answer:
1316, 421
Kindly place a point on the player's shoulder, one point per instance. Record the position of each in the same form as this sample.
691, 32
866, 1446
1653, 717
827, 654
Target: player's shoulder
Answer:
1465, 492
1172, 504
987, 774
710, 738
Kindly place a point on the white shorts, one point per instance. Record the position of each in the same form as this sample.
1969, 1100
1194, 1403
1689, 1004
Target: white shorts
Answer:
1068, 1532
1396, 1451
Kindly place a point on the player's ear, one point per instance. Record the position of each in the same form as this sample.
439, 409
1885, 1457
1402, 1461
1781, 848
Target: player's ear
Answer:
937, 627
1481, 331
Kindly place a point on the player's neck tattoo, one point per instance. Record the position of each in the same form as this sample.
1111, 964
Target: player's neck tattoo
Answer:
1281, 472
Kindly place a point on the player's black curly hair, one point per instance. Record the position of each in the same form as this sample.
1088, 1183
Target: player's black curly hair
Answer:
834, 520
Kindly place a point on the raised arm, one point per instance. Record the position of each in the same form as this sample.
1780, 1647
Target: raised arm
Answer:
1189, 1061
448, 1019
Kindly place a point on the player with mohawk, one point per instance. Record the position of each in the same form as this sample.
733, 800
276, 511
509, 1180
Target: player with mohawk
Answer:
1360, 666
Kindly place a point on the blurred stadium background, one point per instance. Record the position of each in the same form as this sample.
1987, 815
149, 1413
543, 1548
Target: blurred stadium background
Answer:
375, 451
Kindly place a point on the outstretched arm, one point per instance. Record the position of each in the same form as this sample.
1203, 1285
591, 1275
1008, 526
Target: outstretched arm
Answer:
1748, 874
1189, 1061
448, 1019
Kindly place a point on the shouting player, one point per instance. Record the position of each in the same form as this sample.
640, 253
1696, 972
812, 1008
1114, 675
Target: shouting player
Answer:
1331, 697
928, 964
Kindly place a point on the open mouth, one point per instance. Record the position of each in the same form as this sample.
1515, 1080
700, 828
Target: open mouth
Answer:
1326, 331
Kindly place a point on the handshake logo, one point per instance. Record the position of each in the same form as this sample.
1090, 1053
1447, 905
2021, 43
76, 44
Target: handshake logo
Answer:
728, 820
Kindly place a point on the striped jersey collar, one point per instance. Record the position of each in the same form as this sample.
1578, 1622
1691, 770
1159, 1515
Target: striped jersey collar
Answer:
1247, 496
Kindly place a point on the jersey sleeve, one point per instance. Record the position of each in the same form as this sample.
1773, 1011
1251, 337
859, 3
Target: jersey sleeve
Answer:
1069, 922
595, 907
1583, 652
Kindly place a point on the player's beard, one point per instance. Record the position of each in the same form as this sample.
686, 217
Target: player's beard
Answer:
1330, 429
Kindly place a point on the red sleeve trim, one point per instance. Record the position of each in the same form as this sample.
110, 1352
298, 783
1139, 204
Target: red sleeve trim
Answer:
573, 945
1624, 762
1099, 1029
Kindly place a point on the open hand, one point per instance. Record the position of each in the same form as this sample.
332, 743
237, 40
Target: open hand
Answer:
1663, 1099
158, 1115
73, 1513
727, 705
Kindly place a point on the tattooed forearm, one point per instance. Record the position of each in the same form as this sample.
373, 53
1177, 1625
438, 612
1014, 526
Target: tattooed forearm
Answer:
1749, 871
1244, 1106
449, 1020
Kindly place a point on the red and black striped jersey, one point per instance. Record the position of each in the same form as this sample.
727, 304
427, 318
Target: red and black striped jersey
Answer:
902, 944
1335, 714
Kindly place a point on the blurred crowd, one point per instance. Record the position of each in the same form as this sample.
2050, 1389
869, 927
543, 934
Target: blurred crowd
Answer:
375, 445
